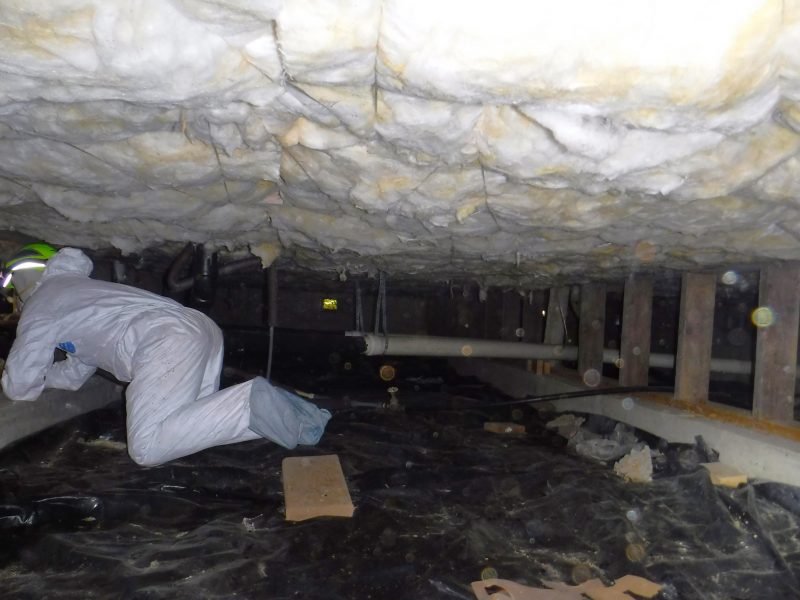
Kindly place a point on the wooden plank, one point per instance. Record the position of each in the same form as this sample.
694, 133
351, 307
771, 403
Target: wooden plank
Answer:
503, 427
637, 314
777, 320
314, 486
695, 335
591, 333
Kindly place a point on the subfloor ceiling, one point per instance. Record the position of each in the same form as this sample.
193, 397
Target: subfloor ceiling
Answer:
511, 141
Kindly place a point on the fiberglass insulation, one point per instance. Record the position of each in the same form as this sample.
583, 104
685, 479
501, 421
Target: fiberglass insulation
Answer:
513, 139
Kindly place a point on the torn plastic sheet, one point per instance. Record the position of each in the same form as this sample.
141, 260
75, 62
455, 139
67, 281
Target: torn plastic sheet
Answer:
438, 501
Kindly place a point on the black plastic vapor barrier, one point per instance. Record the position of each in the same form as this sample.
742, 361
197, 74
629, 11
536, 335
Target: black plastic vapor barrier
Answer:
438, 501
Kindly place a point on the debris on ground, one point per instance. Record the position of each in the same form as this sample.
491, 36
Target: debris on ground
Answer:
314, 486
636, 466
604, 447
601, 449
251, 524
595, 589
103, 443
725, 475
501, 427
496, 589
566, 425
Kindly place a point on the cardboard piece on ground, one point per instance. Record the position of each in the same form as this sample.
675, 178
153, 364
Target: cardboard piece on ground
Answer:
595, 589
502, 589
500, 427
314, 486
725, 475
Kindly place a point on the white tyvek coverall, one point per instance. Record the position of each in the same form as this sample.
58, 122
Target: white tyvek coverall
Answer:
172, 356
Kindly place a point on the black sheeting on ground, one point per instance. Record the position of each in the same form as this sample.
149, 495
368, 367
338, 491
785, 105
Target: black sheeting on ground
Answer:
438, 500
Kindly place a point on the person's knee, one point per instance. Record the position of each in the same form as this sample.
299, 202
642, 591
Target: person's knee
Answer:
141, 452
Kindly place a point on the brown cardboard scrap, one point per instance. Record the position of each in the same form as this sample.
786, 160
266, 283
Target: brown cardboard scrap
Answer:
500, 427
726, 475
314, 486
595, 589
502, 589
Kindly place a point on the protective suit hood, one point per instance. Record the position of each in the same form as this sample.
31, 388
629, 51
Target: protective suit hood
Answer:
68, 261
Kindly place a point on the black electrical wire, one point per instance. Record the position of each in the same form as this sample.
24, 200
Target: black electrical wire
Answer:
558, 396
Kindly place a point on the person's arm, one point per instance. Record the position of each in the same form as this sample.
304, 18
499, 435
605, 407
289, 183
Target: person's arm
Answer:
69, 374
30, 357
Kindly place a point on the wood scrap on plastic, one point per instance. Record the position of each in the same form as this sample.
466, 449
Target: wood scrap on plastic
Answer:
502, 589
314, 486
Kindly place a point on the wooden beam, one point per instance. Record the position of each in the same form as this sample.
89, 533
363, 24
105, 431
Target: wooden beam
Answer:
637, 313
695, 334
776, 342
591, 333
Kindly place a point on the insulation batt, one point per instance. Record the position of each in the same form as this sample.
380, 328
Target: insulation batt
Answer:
525, 141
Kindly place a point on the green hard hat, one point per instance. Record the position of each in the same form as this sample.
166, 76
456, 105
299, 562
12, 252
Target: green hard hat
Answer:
30, 256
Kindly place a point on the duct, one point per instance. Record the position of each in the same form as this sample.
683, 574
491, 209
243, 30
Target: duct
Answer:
241, 264
415, 345
174, 283
177, 284
205, 279
272, 315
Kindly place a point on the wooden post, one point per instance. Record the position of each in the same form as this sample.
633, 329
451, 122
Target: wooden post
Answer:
554, 323
493, 309
637, 313
776, 342
512, 303
695, 333
591, 333
532, 319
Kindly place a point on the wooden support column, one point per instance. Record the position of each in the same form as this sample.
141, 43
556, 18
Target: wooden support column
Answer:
591, 330
532, 319
556, 315
512, 304
554, 323
695, 334
776, 342
637, 314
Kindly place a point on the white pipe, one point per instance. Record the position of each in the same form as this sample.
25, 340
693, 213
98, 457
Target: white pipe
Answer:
420, 345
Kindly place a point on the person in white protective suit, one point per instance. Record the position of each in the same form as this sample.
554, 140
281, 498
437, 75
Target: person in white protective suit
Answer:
170, 354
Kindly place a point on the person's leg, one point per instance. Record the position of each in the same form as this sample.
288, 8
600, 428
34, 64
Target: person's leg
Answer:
167, 418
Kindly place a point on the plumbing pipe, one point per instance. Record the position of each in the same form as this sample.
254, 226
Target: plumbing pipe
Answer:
177, 284
272, 312
417, 345
119, 273
205, 279
174, 283
239, 265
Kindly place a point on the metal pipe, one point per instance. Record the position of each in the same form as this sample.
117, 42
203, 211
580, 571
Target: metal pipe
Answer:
272, 296
417, 345
174, 283
177, 284
239, 265
272, 312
